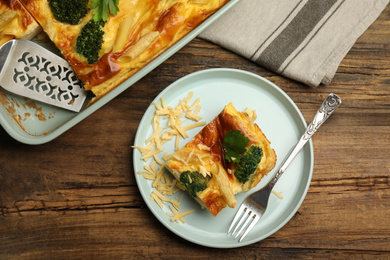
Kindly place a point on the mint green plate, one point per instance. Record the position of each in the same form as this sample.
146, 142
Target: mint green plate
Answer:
282, 123
18, 115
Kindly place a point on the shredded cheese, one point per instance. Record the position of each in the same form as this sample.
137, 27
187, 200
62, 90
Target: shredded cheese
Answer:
176, 128
159, 174
280, 196
181, 215
156, 199
190, 95
158, 160
203, 147
200, 160
204, 171
176, 216
154, 166
167, 157
194, 105
190, 155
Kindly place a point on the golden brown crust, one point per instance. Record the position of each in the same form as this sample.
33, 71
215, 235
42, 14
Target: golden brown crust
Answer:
214, 202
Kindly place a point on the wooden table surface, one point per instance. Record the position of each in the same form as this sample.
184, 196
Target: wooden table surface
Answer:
76, 197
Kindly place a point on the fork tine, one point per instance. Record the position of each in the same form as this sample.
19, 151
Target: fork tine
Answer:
242, 219
245, 224
256, 218
239, 213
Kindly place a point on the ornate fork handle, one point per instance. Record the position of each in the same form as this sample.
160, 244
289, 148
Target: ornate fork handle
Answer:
329, 105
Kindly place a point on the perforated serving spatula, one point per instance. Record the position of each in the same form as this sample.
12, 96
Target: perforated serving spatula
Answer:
29, 70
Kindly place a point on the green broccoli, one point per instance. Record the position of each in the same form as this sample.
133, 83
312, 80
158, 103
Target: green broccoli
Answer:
69, 11
248, 163
90, 41
194, 182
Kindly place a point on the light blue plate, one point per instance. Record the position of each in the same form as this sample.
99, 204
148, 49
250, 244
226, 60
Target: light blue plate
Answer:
282, 123
18, 116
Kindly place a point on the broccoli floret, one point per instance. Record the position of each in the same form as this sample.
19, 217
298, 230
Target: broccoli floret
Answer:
248, 163
194, 182
90, 41
69, 11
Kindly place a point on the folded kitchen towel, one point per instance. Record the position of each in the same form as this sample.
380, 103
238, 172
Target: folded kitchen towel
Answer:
304, 40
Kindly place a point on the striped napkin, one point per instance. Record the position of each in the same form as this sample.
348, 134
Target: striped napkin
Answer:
304, 40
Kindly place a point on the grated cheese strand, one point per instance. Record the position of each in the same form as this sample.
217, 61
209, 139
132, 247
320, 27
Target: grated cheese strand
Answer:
200, 160
162, 182
190, 155
194, 105
159, 174
154, 167
181, 215
156, 199
177, 215
177, 142
280, 196
190, 95
157, 159
167, 156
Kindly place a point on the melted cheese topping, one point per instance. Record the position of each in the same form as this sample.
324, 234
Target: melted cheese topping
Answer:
141, 30
15, 22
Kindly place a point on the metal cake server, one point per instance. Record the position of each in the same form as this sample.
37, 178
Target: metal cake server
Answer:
29, 70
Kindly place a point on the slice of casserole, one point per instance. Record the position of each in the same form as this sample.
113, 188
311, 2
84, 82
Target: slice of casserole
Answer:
202, 168
16, 22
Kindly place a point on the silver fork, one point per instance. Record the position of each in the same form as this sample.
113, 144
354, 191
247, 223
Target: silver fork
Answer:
254, 206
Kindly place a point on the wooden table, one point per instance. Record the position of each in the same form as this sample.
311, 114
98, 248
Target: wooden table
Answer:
76, 197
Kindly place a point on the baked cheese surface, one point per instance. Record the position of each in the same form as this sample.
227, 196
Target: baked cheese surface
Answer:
204, 154
16, 22
137, 34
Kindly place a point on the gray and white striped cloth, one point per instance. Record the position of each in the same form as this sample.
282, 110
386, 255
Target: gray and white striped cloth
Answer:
304, 40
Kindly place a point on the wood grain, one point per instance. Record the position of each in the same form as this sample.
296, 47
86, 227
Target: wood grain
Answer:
76, 197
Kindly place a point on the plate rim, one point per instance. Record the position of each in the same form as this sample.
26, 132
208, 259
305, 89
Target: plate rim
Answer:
307, 184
